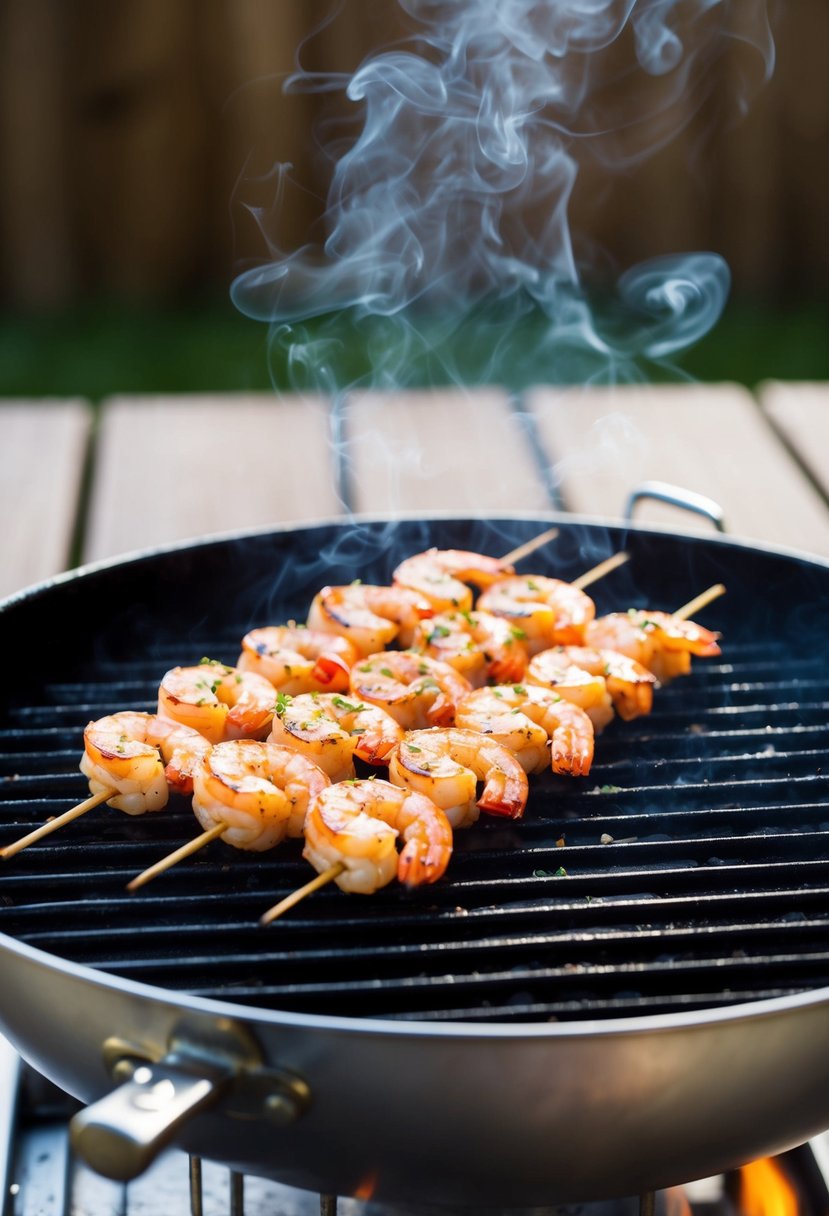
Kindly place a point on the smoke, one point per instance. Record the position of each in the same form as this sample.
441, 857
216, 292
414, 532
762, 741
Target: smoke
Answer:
449, 252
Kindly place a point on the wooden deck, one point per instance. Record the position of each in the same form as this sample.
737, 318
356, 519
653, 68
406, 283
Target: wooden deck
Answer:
85, 483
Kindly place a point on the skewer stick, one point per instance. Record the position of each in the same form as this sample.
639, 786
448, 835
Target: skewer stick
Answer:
700, 601
529, 546
52, 825
177, 855
294, 898
603, 568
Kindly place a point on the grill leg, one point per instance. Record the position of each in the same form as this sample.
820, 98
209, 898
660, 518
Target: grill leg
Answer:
237, 1194
196, 1204
647, 1204
328, 1205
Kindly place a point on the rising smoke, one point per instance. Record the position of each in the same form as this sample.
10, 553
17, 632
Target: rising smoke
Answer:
449, 251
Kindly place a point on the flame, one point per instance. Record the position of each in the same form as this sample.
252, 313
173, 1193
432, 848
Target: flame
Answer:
765, 1190
367, 1187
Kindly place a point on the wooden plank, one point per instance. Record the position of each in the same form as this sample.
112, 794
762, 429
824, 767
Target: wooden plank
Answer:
44, 446
800, 413
175, 468
711, 439
443, 450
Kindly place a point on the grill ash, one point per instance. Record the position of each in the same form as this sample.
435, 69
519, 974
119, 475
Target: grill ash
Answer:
448, 220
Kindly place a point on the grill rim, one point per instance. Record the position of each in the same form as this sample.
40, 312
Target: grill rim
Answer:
401, 1025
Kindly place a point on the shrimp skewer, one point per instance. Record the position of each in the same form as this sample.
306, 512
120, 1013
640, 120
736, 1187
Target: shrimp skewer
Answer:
416, 690
218, 701
600, 681
351, 837
331, 730
549, 611
479, 645
370, 616
132, 760
295, 659
441, 576
537, 726
250, 793
446, 764
663, 642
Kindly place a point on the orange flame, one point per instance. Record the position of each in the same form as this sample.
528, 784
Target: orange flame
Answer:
367, 1187
765, 1190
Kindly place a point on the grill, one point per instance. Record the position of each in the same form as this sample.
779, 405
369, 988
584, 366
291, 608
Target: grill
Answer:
690, 870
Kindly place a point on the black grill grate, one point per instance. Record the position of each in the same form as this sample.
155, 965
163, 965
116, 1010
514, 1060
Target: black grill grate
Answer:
689, 870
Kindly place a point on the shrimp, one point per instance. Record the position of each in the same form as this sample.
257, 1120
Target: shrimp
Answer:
219, 702
535, 724
416, 690
479, 645
551, 669
260, 791
549, 611
446, 764
658, 640
357, 823
370, 616
297, 659
331, 730
629, 685
441, 575
126, 753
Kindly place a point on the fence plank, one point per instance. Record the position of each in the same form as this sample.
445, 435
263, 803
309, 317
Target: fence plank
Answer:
174, 468
711, 439
800, 412
440, 450
44, 446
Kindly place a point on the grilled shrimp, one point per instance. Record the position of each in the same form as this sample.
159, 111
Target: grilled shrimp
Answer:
550, 612
658, 640
297, 659
446, 764
331, 730
442, 575
629, 685
357, 824
370, 616
416, 690
479, 645
261, 791
219, 702
127, 752
551, 669
535, 724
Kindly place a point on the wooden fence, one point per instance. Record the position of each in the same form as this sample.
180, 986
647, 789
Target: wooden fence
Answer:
138, 139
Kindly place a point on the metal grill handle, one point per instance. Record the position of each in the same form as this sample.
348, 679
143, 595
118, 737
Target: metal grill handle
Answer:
661, 491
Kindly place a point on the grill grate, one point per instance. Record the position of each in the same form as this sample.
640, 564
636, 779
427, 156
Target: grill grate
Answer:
689, 870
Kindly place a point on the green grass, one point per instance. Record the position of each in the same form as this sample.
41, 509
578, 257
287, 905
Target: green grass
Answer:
98, 349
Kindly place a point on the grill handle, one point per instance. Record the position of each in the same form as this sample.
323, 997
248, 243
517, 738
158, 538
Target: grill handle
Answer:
209, 1065
661, 491
124, 1132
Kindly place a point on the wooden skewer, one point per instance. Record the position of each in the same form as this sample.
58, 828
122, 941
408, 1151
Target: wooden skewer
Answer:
700, 601
52, 825
177, 855
529, 546
321, 880
603, 568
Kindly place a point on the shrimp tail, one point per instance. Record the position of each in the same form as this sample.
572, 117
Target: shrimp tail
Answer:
504, 795
441, 712
331, 672
571, 756
373, 748
420, 863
